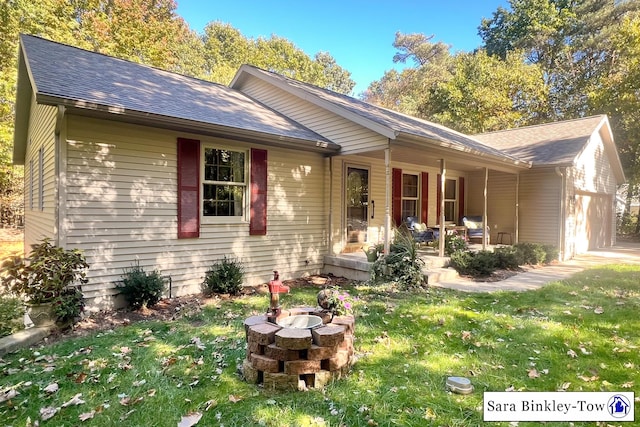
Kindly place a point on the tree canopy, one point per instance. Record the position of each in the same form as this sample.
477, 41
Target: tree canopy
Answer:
148, 32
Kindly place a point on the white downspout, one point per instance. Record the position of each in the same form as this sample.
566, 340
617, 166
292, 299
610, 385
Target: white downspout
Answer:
517, 231
484, 210
561, 232
443, 229
387, 198
330, 205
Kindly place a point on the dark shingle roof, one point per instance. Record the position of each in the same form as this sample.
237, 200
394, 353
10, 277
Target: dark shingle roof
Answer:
550, 144
396, 122
87, 79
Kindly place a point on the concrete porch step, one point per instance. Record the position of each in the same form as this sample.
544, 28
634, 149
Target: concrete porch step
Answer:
440, 274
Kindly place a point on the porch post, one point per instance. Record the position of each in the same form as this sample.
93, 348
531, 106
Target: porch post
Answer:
387, 198
443, 230
484, 210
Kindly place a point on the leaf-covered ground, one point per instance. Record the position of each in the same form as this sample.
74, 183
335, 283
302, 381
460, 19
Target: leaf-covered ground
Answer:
576, 335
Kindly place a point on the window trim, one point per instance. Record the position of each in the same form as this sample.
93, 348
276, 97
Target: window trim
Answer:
209, 219
455, 200
416, 199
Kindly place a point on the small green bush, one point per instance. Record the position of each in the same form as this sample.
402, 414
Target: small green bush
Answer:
141, 289
530, 253
68, 305
452, 243
476, 264
11, 315
224, 277
552, 253
402, 265
506, 258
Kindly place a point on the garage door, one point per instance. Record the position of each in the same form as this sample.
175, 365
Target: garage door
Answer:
593, 222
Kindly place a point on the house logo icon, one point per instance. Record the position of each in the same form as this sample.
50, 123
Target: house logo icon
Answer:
618, 406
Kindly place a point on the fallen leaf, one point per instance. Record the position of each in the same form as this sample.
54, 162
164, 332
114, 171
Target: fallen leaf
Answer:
510, 388
75, 400
572, 354
234, 399
9, 394
125, 350
125, 416
628, 384
533, 373
81, 378
151, 392
51, 388
196, 341
211, 403
190, 419
86, 416
466, 335
48, 412
588, 379
565, 386
139, 383
598, 310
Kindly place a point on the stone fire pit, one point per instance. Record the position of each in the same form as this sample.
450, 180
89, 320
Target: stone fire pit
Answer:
285, 358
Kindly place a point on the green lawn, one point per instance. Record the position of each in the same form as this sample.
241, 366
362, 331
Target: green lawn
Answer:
577, 335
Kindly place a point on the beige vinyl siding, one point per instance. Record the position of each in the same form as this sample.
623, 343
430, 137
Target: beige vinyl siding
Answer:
351, 137
122, 209
593, 176
539, 210
40, 215
501, 205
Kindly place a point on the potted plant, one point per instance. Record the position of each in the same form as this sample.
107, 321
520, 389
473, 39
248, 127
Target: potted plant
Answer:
48, 281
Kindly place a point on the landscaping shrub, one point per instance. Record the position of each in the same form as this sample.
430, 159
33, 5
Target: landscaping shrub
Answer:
452, 243
402, 265
69, 305
11, 315
530, 253
141, 289
552, 253
476, 264
506, 258
224, 277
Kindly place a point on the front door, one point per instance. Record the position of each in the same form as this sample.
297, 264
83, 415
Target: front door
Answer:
357, 204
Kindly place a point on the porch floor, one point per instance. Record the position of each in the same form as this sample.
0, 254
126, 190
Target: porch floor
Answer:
355, 266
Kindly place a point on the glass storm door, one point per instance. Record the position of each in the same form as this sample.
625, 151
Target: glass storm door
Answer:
357, 204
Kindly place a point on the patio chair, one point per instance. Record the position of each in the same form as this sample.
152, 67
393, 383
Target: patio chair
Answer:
420, 232
474, 227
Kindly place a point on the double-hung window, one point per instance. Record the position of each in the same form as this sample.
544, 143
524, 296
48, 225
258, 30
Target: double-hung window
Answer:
224, 186
450, 199
410, 193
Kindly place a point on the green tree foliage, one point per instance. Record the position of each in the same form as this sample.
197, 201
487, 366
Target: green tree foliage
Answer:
144, 31
226, 49
486, 93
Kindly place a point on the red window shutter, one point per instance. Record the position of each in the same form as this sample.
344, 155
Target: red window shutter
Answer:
439, 193
396, 196
188, 188
258, 186
460, 199
424, 202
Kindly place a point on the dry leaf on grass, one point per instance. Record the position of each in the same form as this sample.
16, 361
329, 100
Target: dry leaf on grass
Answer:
51, 388
48, 412
234, 399
86, 416
190, 420
74, 401
533, 373
9, 394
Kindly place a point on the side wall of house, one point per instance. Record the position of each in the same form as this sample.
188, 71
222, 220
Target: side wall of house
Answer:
350, 136
121, 209
594, 190
40, 176
539, 206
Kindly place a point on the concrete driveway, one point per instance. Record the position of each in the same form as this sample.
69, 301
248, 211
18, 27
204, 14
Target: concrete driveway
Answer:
534, 278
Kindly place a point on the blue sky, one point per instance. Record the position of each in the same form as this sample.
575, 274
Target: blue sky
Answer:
359, 34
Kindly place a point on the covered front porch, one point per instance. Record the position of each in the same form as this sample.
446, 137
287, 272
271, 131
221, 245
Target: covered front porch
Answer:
436, 182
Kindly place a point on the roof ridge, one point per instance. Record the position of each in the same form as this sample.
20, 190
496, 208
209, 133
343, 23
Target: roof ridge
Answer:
549, 124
